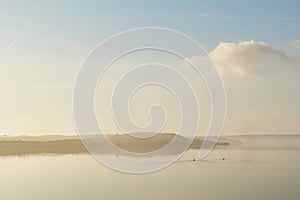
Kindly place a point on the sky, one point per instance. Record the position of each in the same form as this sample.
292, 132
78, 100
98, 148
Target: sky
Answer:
255, 45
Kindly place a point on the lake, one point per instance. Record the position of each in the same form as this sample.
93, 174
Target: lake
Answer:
243, 174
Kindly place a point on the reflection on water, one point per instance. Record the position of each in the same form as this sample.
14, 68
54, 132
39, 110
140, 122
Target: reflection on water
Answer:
224, 174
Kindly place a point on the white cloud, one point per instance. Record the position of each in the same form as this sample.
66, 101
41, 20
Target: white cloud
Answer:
297, 44
250, 57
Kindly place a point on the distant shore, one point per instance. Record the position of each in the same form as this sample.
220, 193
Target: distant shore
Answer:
60, 145
33, 145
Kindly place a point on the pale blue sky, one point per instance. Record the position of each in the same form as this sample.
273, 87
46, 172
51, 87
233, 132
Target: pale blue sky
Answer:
42, 45
207, 21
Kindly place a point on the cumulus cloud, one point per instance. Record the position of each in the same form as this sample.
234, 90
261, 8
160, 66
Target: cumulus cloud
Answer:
297, 44
250, 57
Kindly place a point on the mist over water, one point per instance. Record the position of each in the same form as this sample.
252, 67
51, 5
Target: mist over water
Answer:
238, 172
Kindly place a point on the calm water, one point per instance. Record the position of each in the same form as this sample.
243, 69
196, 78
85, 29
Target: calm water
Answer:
242, 175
